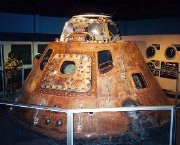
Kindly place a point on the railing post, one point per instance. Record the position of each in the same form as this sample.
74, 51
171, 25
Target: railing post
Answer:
70, 127
175, 123
172, 138
177, 86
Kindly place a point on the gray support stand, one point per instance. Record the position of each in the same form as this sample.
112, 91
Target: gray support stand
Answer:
177, 86
70, 127
172, 126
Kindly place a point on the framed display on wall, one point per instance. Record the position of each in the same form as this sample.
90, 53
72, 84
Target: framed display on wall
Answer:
169, 70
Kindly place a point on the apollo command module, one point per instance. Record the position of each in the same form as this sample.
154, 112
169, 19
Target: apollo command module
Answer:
90, 66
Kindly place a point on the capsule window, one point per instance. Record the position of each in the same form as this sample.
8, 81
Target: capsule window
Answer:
139, 81
45, 59
105, 62
68, 67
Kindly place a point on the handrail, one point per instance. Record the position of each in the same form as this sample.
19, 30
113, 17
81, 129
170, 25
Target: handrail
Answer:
175, 122
36, 107
70, 113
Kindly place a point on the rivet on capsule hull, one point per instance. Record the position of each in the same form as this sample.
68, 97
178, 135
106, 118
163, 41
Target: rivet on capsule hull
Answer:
47, 120
59, 122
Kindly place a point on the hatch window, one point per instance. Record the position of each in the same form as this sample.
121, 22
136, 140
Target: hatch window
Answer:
45, 59
68, 72
139, 81
68, 67
105, 62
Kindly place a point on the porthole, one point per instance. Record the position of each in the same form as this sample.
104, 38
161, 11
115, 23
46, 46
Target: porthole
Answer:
170, 52
150, 51
68, 67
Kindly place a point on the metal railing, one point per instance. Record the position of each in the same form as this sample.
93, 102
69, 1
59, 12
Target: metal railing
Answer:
175, 123
70, 115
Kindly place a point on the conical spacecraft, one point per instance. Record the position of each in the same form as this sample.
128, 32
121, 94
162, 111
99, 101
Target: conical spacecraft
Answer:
90, 66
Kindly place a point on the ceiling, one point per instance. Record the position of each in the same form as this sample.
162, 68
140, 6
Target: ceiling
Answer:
119, 9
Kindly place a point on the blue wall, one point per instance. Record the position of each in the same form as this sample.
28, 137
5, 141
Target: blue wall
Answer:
150, 27
36, 24
49, 25
17, 23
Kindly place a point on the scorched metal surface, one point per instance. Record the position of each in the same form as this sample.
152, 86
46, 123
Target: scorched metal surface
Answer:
90, 66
